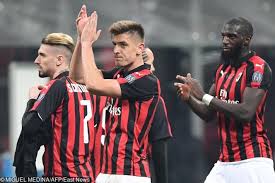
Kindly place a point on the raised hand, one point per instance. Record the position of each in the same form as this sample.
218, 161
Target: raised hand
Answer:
81, 20
196, 88
34, 91
183, 91
90, 33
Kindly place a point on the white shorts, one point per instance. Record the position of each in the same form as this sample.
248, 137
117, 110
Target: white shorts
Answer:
255, 170
113, 178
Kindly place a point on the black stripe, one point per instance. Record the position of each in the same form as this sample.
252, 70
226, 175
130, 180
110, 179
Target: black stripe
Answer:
266, 147
228, 122
240, 140
107, 138
64, 137
221, 138
150, 114
253, 136
97, 111
228, 140
129, 144
239, 125
76, 133
141, 167
116, 142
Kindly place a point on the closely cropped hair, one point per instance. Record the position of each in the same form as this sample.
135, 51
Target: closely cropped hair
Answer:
246, 26
59, 39
128, 26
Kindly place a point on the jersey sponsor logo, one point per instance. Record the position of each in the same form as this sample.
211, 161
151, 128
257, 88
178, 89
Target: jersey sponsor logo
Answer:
77, 88
113, 110
231, 101
257, 77
223, 94
130, 78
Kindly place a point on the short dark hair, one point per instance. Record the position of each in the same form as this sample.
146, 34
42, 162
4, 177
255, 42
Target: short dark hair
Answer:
128, 26
246, 28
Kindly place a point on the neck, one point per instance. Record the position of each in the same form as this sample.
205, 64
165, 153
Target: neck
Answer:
244, 51
59, 72
134, 65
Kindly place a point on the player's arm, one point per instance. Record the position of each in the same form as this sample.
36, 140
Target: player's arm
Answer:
44, 106
243, 111
76, 68
197, 106
159, 134
93, 77
160, 160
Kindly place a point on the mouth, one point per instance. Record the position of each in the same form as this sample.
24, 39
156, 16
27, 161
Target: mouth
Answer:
226, 48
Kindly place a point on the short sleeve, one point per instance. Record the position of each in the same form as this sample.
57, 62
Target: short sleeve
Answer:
49, 99
160, 128
138, 89
259, 76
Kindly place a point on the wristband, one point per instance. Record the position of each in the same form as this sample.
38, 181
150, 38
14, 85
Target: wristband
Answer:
207, 99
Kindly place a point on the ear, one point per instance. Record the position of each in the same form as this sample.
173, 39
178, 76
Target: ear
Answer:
60, 60
140, 49
247, 40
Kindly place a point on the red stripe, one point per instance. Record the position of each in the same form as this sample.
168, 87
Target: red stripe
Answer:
223, 135
256, 62
220, 80
124, 136
57, 170
71, 130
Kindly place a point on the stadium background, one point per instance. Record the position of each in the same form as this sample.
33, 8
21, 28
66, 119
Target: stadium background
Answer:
183, 34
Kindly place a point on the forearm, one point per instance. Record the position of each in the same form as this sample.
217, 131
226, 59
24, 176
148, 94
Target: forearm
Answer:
160, 160
76, 67
198, 107
92, 75
238, 111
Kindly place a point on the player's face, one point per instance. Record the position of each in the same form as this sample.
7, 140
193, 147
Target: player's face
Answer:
46, 61
126, 49
232, 40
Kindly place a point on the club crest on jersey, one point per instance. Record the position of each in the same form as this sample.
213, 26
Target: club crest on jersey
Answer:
223, 94
257, 77
130, 78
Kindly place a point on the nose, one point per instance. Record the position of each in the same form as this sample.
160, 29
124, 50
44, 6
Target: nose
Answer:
115, 49
36, 61
225, 40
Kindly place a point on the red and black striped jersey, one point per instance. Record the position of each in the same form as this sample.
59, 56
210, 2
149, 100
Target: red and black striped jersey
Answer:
160, 129
243, 140
128, 123
71, 109
99, 121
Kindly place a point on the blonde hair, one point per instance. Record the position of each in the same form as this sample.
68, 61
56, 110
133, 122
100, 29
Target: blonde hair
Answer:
127, 26
59, 39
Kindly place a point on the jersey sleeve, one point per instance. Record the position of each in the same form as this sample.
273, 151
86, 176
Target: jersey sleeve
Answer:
49, 99
259, 76
138, 88
109, 74
160, 128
